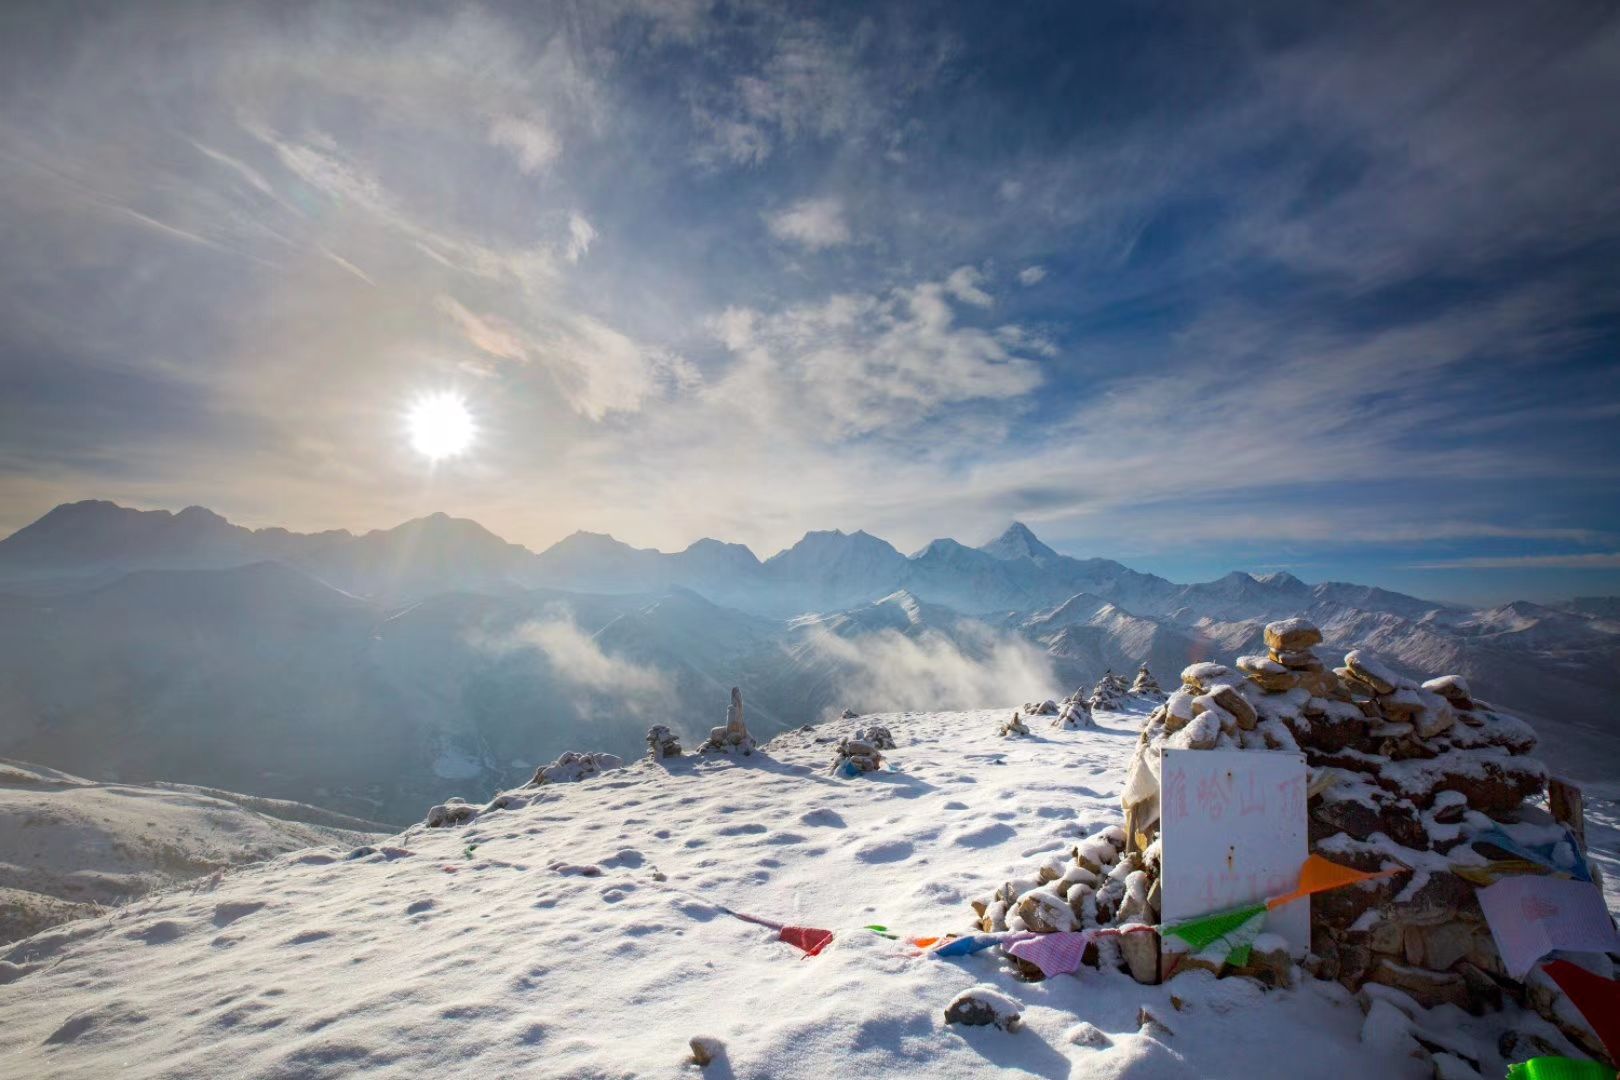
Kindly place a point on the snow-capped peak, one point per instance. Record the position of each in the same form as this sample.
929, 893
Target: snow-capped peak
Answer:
1018, 542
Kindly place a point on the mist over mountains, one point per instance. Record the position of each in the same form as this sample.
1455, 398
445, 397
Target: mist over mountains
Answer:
379, 673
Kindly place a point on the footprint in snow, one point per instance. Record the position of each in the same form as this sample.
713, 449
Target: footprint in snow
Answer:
825, 818
889, 851
742, 830
227, 913
159, 933
985, 836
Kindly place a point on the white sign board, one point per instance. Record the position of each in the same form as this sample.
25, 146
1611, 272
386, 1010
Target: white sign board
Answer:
1232, 832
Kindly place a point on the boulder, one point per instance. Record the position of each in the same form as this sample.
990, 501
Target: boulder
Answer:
1298, 660
1369, 671
1454, 688
450, 812
1291, 635
1200, 677
1140, 951
1236, 704
877, 735
1266, 673
984, 1006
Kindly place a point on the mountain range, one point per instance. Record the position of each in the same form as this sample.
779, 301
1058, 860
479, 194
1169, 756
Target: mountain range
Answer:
374, 673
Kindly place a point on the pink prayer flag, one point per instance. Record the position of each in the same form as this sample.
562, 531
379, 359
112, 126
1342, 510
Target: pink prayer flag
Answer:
1054, 954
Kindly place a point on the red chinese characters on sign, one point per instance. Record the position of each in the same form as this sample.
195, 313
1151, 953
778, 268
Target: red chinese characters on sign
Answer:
1292, 793
1175, 796
1252, 797
1214, 793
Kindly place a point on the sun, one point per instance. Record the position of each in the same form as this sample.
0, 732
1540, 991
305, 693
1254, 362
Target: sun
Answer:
440, 426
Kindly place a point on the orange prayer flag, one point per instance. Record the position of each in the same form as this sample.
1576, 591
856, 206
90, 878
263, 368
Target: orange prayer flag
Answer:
1319, 875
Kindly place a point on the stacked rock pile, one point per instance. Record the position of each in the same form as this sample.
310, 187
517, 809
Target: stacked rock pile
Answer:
662, 743
731, 737
1075, 712
1402, 775
1109, 691
1015, 726
858, 754
1146, 686
1041, 708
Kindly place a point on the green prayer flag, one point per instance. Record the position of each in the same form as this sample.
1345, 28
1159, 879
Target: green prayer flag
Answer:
1237, 929
1559, 1068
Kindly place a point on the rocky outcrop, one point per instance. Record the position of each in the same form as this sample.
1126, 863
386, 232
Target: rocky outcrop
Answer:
572, 766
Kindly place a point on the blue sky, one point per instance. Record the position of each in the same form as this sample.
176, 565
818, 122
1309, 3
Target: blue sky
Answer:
1328, 288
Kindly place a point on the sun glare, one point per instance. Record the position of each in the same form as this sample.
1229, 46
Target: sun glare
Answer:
440, 426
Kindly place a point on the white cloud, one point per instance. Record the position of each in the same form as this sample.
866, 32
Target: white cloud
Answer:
963, 284
862, 363
577, 658
813, 224
597, 369
534, 145
581, 234
1591, 561
1032, 275
888, 671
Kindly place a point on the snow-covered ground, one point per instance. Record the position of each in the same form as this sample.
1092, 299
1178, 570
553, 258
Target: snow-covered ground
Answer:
68, 844
581, 935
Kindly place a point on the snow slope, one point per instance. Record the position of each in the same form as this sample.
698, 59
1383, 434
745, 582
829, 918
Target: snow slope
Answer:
581, 935
69, 846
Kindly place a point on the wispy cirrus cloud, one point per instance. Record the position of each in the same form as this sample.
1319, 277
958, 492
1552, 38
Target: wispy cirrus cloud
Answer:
1597, 560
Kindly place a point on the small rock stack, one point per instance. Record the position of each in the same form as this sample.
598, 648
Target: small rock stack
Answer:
1075, 712
732, 737
1146, 686
856, 755
1108, 692
662, 743
1041, 708
1015, 726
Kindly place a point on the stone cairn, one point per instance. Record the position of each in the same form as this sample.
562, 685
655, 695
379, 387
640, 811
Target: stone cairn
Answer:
860, 752
1146, 686
732, 737
662, 743
1015, 726
1075, 712
1041, 708
1108, 692
1401, 775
